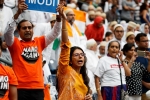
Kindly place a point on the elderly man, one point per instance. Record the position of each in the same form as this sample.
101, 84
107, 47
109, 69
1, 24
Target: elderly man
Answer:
27, 58
75, 36
90, 17
92, 61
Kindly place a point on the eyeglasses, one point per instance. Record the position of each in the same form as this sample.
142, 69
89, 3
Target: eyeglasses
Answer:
145, 41
119, 31
79, 54
25, 27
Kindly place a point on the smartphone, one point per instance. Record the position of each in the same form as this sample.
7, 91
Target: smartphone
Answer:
141, 53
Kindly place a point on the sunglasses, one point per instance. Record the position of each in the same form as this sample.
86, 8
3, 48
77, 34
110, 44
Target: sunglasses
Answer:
25, 27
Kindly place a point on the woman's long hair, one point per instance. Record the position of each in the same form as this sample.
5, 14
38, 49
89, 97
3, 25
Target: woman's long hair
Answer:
83, 69
143, 7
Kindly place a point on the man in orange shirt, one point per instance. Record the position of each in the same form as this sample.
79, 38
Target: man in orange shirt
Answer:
26, 54
8, 82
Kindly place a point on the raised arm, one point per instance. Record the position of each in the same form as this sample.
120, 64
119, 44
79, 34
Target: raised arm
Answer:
9, 34
125, 66
65, 48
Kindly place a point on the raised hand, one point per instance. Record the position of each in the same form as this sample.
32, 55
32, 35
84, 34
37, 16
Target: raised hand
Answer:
60, 10
88, 97
120, 55
22, 6
134, 56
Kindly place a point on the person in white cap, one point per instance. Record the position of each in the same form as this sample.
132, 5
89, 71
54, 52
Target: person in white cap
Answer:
111, 26
130, 37
118, 34
73, 4
90, 17
75, 36
131, 26
101, 49
144, 28
92, 61
99, 9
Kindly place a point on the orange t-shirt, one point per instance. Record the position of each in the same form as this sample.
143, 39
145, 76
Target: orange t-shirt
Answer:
70, 83
7, 77
27, 62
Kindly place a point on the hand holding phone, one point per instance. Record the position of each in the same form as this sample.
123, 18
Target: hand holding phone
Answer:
147, 55
134, 56
141, 53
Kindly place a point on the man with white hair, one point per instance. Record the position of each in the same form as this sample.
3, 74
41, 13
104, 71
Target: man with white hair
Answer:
75, 36
92, 60
101, 49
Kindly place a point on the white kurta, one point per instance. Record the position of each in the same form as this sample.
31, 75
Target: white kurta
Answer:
92, 61
40, 17
6, 15
77, 40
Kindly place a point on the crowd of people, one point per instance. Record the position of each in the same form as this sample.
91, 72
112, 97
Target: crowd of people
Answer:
53, 59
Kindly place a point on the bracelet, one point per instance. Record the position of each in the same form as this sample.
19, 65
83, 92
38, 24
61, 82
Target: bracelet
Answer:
98, 89
64, 29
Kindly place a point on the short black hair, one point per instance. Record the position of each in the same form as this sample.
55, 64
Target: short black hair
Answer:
127, 47
108, 34
138, 36
24, 20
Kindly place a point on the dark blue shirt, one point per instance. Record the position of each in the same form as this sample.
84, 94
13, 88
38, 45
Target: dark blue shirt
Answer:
145, 78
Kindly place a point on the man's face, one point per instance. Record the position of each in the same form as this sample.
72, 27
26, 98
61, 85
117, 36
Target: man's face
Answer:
1, 3
114, 9
130, 29
100, 24
26, 31
143, 43
102, 50
119, 33
70, 17
91, 17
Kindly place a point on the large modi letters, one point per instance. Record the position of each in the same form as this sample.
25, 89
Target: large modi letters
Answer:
42, 5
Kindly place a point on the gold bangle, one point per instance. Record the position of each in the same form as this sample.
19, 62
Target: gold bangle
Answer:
98, 89
64, 29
